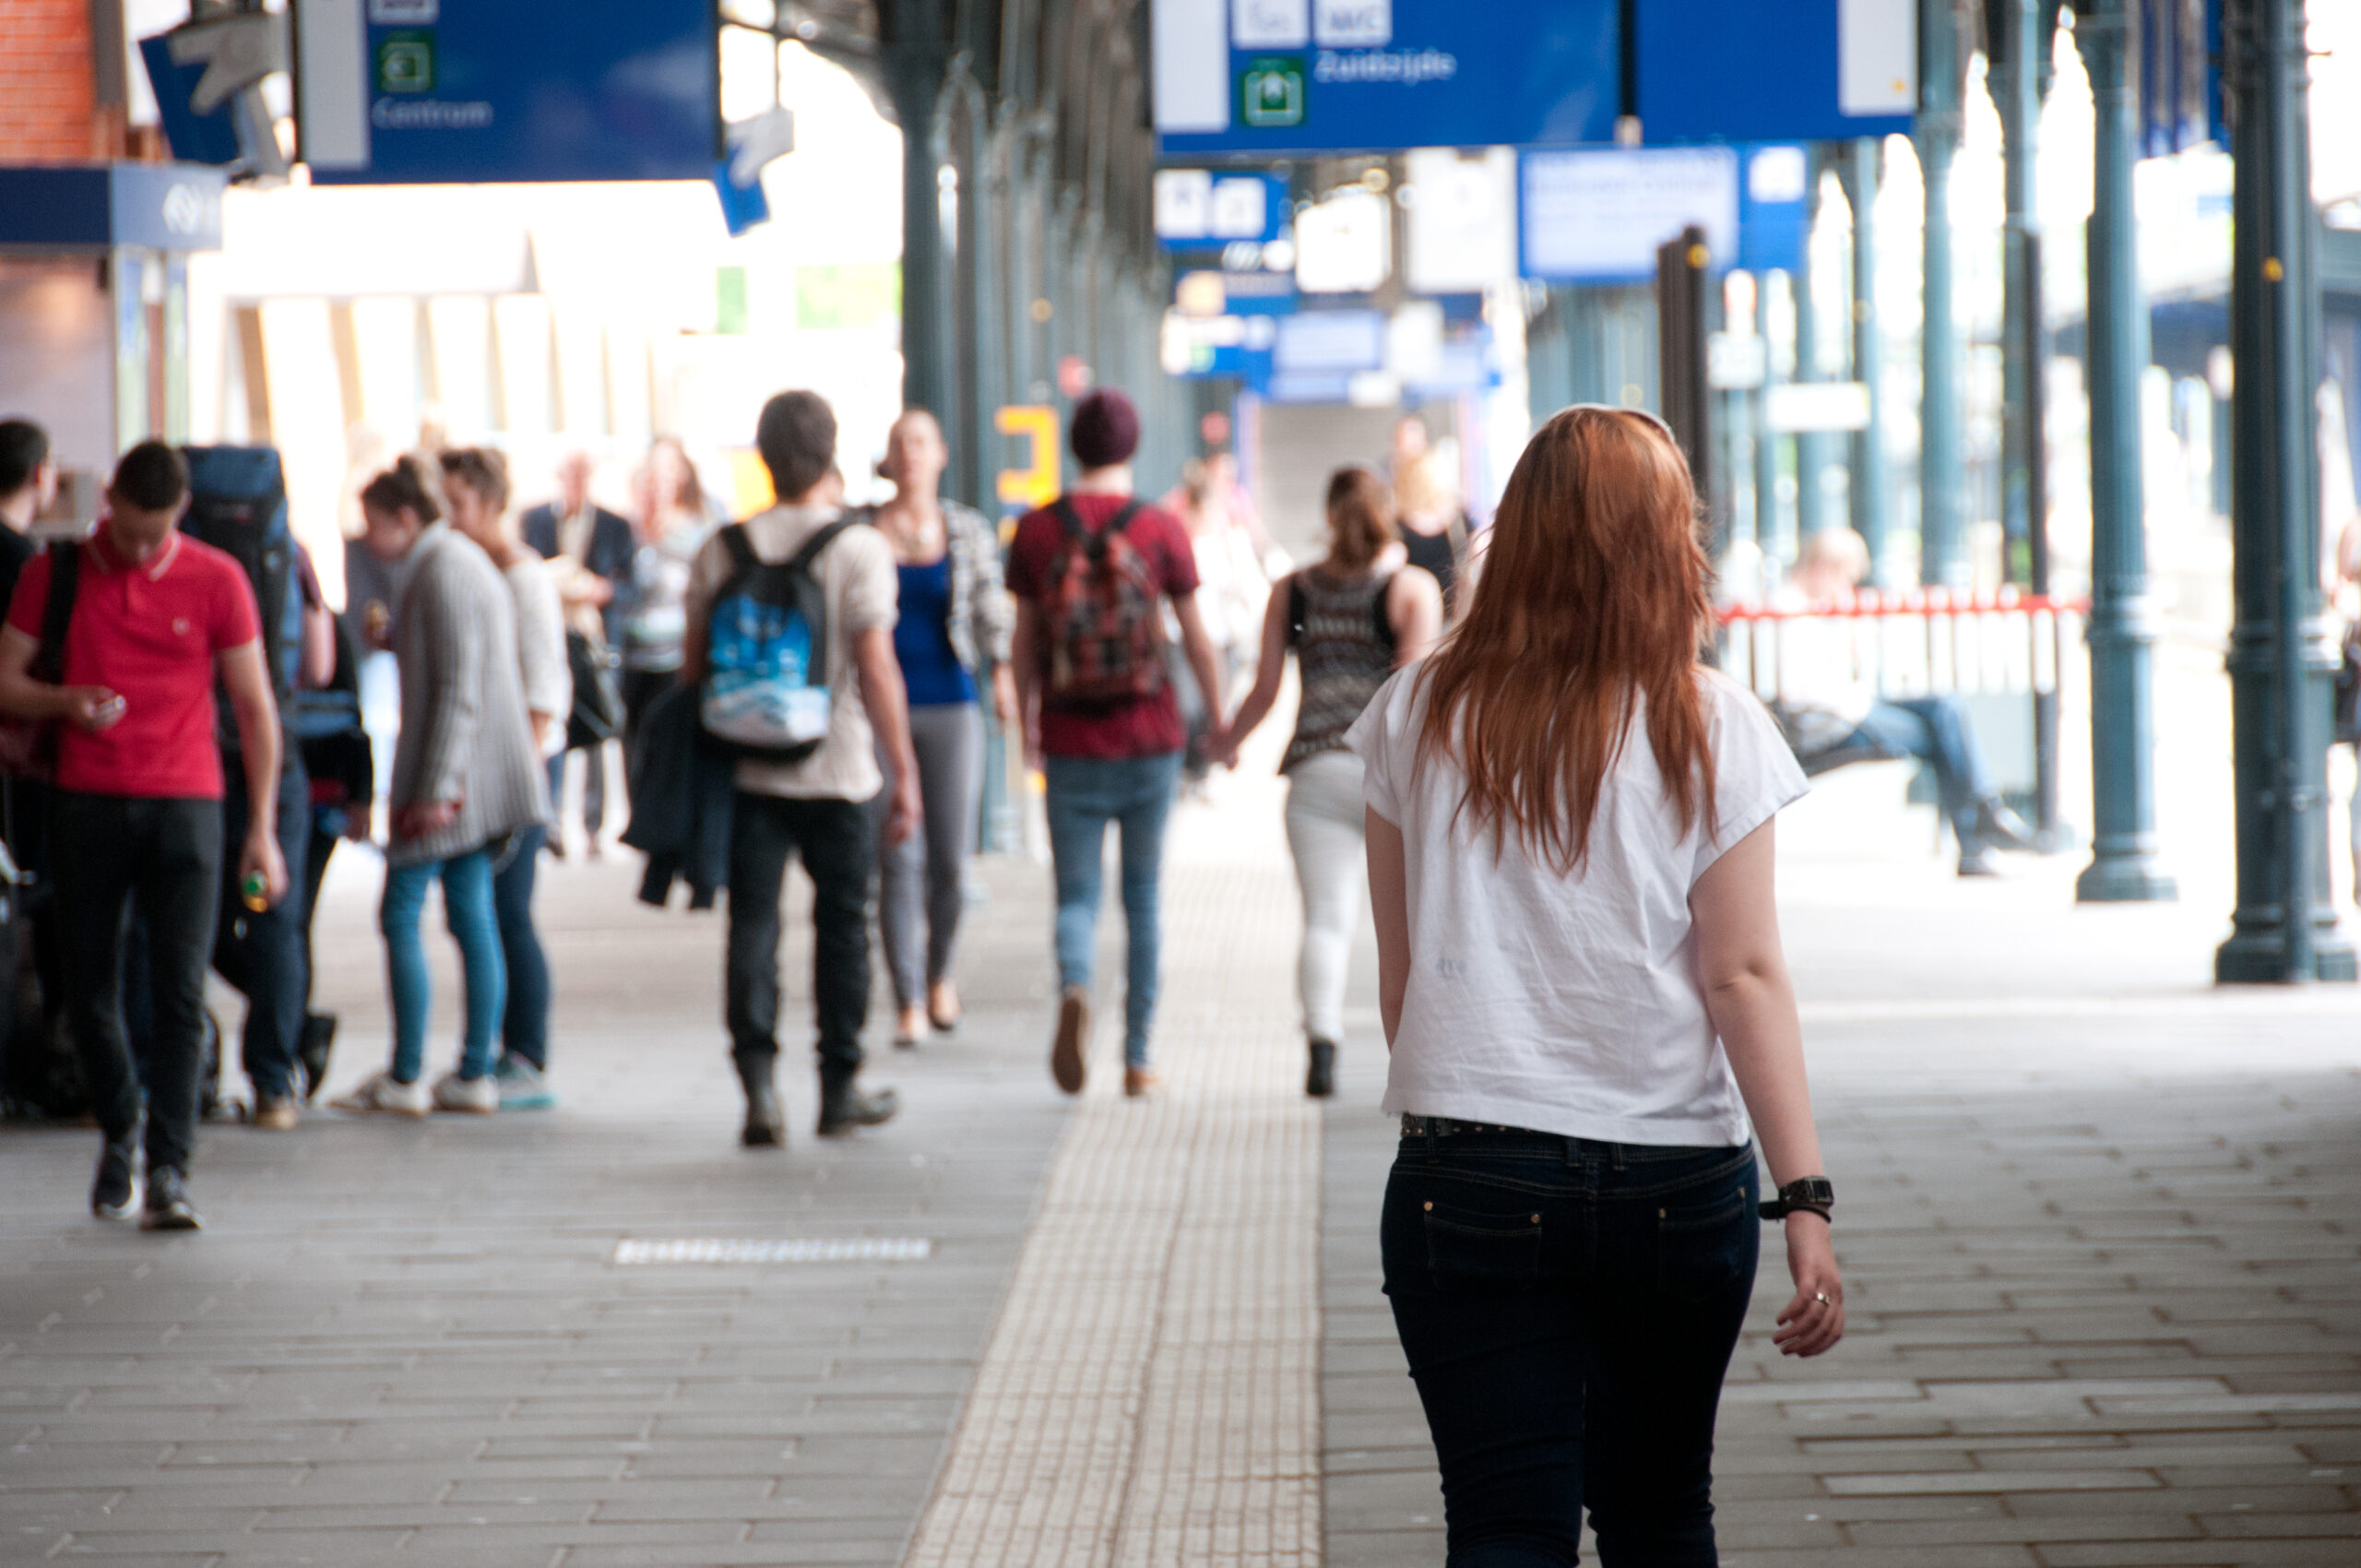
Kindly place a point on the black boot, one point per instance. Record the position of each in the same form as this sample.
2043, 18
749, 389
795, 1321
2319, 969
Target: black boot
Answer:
115, 1190
766, 1126
844, 1108
313, 1049
1321, 1082
168, 1203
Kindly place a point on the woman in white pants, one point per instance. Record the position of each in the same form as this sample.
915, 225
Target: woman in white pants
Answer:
1351, 620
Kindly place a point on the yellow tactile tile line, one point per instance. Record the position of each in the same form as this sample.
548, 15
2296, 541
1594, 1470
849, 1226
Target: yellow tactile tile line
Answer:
1150, 1395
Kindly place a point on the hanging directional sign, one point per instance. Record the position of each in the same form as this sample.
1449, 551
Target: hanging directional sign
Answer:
1799, 70
1307, 75
420, 92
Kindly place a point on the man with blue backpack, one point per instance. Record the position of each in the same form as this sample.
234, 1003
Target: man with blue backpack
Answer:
790, 647
238, 504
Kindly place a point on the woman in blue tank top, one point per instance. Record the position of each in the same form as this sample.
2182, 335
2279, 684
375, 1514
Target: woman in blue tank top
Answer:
952, 640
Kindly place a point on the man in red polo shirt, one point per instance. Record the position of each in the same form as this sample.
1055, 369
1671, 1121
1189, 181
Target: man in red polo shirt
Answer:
153, 618
1093, 573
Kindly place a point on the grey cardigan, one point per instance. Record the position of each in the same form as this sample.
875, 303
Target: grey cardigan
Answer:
464, 733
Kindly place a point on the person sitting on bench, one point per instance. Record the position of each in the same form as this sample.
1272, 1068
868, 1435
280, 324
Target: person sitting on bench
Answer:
1830, 717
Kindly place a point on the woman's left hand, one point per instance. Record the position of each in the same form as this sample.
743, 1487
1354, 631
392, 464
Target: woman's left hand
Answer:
1814, 1321
1005, 694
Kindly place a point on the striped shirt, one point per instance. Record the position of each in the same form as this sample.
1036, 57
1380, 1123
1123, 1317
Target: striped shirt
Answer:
1343, 647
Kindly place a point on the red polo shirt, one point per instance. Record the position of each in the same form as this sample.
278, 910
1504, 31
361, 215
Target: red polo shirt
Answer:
150, 634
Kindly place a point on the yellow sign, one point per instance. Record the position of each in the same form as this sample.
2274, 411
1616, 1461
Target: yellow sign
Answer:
1037, 483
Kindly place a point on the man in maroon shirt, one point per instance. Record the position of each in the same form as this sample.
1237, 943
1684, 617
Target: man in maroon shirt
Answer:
155, 617
1109, 755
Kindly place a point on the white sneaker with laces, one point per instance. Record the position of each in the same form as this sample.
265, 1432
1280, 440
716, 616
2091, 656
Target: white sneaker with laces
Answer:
381, 1092
468, 1097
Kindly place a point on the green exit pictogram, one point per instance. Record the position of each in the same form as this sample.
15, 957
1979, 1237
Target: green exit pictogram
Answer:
406, 63
1270, 93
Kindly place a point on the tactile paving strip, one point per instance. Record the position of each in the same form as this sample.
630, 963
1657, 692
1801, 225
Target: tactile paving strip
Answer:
1150, 1395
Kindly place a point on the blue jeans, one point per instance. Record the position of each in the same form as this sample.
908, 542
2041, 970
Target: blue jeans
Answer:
524, 1020
1936, 732
467, 911
1085, 795
1569, 1309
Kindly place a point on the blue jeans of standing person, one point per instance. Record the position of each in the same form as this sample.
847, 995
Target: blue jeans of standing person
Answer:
1568, 1309
467, 911
524, 1020
1936, 732
1136, 794
264, 954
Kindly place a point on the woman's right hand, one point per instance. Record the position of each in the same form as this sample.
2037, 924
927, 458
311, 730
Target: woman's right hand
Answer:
1814, 1321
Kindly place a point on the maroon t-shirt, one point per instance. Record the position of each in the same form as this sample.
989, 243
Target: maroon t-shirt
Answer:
1138, 726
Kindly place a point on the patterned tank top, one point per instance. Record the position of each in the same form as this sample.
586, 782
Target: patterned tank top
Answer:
1344, 648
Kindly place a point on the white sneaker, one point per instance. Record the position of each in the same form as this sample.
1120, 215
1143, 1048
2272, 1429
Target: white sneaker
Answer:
471, 1096
382, 1093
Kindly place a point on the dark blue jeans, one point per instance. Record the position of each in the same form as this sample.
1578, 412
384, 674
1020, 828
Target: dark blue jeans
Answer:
1568, 1308
838, 840
265, 955
1936, 731
525, 1024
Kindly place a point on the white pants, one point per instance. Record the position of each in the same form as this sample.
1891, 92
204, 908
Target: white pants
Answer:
1324, 819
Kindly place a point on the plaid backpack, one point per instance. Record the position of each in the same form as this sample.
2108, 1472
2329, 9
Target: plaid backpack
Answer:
1103, 615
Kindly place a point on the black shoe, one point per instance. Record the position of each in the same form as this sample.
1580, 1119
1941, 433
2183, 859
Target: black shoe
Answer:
766, 1127
312, 1050
168, 1204
1321, 1082
2000, 829
845, 1110
115, 1191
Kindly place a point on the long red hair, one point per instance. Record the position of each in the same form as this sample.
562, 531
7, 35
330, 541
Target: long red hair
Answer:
1592, 599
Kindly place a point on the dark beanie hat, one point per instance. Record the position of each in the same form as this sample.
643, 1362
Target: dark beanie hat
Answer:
1106, 429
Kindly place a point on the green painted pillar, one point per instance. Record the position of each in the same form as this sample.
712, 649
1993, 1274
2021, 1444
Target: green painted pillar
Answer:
1942, 468
1860, 171
1812, 449
916, 56
2122, 627
2282, 661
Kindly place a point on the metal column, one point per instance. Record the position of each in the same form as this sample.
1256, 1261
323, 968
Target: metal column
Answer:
2281, 659
916, 56
1867, 492
2122, 627
2019, 33
1943, 469
1811, 449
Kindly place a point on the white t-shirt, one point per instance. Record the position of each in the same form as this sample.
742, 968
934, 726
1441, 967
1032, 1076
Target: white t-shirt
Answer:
1567, 1004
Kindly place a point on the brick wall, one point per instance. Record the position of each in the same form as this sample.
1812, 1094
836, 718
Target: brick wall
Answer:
48, 112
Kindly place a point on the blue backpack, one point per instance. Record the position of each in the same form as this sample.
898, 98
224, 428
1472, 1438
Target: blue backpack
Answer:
238, 504
765, 692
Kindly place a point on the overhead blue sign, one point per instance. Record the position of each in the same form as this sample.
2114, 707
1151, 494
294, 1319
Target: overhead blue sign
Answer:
1316, 76
1797, 71
2179, 81
1774, 211
95, 207
1200, 209
433, 91
1597, 215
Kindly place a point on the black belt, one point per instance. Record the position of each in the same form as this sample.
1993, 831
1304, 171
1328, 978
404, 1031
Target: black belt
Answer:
1451, 1127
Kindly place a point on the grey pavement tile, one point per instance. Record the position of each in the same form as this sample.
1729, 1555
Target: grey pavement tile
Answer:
2199, 1554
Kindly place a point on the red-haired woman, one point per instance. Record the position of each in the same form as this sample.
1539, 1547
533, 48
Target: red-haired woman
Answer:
1570, 857
1351, 620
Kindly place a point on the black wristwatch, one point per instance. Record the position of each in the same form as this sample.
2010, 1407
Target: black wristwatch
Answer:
1811, 1195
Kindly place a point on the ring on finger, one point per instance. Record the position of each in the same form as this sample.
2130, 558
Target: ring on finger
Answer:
1822, 1297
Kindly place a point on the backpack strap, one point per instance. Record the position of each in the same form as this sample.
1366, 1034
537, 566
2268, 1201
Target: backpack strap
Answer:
810, 553
1077, 531
741, 548
57, 613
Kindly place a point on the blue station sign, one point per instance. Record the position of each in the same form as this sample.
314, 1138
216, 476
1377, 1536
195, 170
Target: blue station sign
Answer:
430, 91
1317, 76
